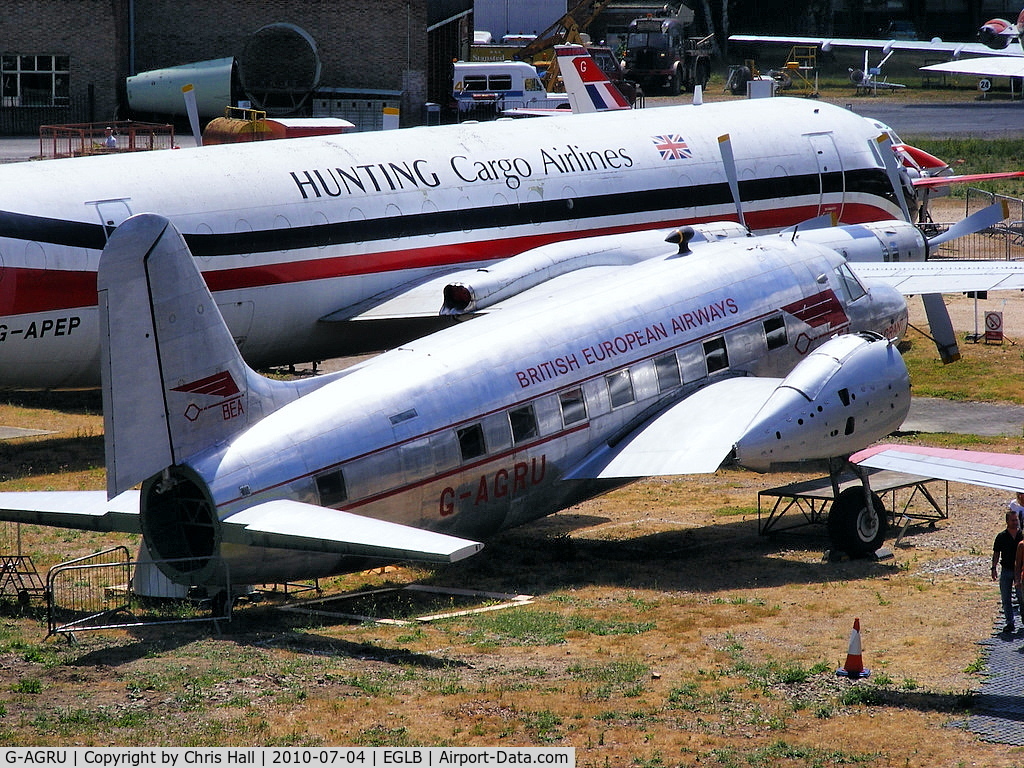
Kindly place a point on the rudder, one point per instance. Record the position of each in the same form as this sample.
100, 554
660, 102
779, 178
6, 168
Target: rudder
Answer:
173, 379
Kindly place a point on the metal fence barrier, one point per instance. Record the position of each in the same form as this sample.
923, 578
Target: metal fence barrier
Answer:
1002, 242
95, 592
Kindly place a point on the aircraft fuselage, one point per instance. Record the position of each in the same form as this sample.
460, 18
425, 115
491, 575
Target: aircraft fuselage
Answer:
477, 428
289, 232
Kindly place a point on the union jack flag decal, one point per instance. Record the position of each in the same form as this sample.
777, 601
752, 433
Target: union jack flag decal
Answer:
672, 147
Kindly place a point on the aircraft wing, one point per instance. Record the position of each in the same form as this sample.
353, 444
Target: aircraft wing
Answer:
562, 264
288, 524
416, 300
81, 510
693, 436
993, 470
1008, 65
917, 46
913, 278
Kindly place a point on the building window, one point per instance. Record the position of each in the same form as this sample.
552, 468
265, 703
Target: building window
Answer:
34, 80
471, 441
574, 407
523, 423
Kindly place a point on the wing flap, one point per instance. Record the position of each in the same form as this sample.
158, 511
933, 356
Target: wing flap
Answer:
693, 436
992, 470
81, 510
287, 524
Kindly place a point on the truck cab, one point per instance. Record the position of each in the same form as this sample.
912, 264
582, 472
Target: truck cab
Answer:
661, 54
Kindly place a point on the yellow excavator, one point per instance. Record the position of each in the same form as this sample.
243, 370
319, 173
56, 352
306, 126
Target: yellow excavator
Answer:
566, 30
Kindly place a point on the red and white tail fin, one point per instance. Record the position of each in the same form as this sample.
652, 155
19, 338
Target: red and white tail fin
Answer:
174, 382
588, 87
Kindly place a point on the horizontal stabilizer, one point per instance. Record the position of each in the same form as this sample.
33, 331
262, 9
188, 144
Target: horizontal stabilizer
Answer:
81, 510
286, 524
693, 436
992, 470
912, 278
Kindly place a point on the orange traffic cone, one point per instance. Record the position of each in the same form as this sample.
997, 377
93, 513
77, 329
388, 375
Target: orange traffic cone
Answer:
854, 666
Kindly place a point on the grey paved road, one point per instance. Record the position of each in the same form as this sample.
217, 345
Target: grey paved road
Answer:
978, 119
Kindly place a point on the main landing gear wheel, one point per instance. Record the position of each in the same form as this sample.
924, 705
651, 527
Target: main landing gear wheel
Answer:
854, 528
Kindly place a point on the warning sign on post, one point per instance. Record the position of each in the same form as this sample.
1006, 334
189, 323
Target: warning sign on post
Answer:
994, 327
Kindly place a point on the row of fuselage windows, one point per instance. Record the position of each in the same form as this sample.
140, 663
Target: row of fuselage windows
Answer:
524, 425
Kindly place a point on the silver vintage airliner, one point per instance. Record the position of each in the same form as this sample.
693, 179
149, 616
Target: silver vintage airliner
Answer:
718, 348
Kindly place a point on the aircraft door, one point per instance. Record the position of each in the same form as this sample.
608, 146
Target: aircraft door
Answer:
112, 213
831, 178
417, 461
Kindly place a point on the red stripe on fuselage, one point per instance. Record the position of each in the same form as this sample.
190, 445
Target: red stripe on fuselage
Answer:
26, 290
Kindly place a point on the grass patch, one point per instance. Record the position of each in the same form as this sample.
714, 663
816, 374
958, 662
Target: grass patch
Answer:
986, 373
524, 627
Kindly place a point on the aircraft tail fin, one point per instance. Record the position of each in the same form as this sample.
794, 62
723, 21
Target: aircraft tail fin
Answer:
589, 89
173, 379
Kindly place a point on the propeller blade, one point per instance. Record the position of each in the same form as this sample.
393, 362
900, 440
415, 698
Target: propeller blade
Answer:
941, 327
884, 151
189, 94
976, 222
934, 306
725, 147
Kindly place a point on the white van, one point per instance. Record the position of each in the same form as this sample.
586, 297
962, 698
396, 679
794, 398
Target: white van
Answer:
495, 86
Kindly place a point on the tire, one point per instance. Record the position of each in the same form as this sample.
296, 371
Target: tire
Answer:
739, 80
676, 84
703, 75
852, 527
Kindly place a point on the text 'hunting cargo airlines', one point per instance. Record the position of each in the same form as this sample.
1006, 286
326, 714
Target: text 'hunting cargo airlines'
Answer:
314, 247
755, 350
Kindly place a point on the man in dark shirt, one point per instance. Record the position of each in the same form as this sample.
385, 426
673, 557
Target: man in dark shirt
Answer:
1004, 556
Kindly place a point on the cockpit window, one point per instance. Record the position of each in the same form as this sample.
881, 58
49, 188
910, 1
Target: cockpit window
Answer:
851, 285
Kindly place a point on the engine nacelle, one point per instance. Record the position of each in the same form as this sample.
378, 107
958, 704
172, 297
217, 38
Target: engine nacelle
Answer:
995, 33
876, 241
848, 393
475, 290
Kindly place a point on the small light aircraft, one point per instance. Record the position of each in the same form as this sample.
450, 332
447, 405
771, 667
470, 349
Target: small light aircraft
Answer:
315, 247
870, 78
997, 54
724, 347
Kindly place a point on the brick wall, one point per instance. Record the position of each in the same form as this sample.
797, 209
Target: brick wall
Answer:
370, 44
86, 32
380, 44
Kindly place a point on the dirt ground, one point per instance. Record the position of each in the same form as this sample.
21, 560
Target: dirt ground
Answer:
663, 631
